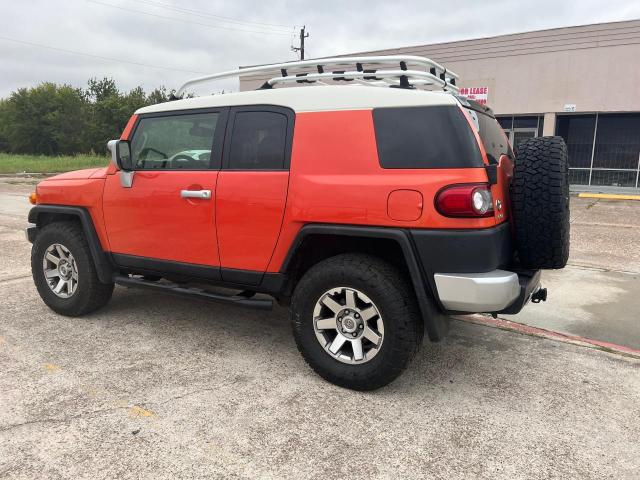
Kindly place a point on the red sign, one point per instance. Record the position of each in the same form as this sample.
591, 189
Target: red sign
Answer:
479, 94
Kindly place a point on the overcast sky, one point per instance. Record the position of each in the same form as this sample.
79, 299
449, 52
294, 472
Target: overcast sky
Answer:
191, 36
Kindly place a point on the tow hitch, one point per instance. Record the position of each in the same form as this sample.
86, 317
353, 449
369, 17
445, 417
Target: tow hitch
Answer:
539, 295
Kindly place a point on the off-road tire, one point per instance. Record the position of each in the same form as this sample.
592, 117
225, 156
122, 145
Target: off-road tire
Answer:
540, 203
394, 297
90, 293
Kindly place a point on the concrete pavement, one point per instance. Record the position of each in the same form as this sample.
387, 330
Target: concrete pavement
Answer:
598, 294
160, 387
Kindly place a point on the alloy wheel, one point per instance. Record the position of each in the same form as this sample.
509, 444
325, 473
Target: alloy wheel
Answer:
60, 270
348, 325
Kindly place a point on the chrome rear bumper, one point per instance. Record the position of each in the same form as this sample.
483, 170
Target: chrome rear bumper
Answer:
484, 292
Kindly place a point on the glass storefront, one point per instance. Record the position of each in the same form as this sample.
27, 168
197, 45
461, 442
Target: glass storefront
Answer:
604, 148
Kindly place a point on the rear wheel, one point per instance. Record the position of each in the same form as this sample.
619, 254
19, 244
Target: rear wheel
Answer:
356, 321
64, 273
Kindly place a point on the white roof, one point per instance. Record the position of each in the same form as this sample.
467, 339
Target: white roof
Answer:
314, 99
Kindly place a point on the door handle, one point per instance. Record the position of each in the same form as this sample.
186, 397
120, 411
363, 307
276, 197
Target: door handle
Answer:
204, 194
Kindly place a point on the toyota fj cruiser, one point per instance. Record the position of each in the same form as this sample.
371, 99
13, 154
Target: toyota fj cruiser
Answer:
374, 213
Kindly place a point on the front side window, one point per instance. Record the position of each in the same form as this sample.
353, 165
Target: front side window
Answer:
258, 141
174, 142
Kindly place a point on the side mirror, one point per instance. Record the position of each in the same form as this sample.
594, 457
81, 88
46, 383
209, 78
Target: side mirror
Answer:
121, 154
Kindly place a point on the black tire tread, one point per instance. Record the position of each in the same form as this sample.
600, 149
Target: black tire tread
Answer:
540, 203
91, 294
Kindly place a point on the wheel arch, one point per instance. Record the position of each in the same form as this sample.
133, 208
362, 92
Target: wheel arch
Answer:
42, 215
317, 242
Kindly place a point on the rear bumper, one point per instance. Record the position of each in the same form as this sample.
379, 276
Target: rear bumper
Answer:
497, 291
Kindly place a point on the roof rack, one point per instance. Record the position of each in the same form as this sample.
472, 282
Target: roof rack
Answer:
390, 70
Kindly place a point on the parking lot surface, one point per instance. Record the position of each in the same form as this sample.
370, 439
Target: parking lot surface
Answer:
155, 386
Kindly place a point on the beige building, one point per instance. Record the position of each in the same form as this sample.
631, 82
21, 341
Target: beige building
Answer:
582, 83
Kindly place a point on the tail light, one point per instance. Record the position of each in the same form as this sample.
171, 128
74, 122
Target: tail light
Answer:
473, 200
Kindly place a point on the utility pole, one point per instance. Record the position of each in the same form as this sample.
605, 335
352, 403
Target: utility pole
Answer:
300, 49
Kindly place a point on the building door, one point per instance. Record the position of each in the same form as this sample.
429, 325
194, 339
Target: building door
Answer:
519, 134
518, 128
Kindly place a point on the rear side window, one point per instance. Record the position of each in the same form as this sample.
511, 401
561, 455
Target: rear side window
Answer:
425, 137
493, 137
258, 141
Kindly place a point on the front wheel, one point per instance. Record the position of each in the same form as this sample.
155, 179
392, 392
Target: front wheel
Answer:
356, 321
64, 272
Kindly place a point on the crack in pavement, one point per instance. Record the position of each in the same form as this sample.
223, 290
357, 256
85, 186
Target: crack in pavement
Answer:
61, 420
91, 413
188, 394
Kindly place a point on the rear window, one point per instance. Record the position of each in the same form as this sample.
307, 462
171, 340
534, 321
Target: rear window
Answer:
493, 137
258, 141
425, 137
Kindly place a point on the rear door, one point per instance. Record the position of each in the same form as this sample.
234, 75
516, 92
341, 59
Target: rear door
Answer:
252, 190
167, 216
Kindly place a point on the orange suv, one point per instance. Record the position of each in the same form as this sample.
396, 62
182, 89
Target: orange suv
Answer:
374, 210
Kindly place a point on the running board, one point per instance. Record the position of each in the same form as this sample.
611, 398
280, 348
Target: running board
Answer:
241, 299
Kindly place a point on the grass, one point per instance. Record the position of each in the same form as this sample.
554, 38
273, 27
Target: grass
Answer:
10, 163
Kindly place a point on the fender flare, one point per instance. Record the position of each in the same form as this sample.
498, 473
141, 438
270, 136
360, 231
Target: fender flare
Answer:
101, 261
435, 321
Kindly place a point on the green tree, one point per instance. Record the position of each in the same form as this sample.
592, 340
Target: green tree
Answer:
160, 95
55, 119
46, 119
4, 120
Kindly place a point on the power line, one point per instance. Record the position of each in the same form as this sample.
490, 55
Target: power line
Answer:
110, 59
185, 21
200, 13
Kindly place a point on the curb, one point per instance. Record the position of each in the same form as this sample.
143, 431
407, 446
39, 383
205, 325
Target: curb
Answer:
508, 325
609, 196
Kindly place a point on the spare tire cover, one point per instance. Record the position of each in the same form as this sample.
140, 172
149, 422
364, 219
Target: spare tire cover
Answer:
540, 202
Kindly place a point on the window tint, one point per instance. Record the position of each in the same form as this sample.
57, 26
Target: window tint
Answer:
258, 141
425, 137
493, 138
174, 142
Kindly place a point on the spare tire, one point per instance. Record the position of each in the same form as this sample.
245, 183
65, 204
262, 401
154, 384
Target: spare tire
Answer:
540, 202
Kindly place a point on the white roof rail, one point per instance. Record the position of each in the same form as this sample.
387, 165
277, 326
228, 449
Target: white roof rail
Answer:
363, 70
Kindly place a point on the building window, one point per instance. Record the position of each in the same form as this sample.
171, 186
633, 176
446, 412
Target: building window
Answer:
520, 127
604, 149
578, 131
